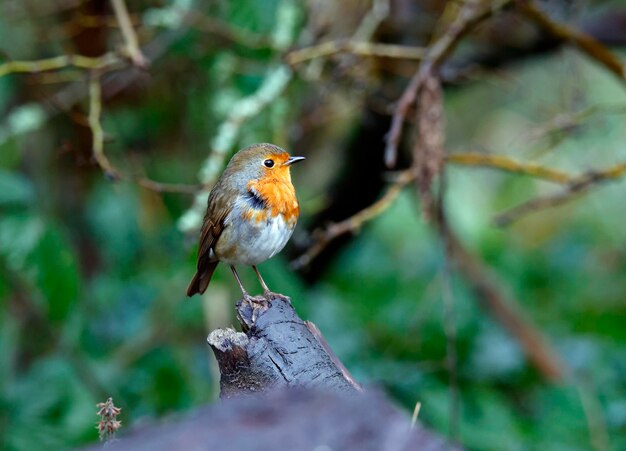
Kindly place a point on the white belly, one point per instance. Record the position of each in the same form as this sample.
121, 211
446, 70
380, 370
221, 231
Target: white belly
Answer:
251, 243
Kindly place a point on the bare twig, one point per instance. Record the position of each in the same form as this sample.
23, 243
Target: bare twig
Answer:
95, 109
587, 44
329, 48
508, 164
355, 222
128, 32
471, 13
576, 188
102, 63
110, 171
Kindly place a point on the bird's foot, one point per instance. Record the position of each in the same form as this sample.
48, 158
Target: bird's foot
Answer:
254, 299
270, 294
255, 305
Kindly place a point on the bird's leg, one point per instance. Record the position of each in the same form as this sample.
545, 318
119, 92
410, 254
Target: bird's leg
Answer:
266, 290
246, 295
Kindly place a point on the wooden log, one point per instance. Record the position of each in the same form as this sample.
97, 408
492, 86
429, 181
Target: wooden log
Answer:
304, 398
277, 349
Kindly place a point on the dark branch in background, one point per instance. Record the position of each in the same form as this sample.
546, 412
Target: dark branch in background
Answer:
494, 300
472, 13
584, 42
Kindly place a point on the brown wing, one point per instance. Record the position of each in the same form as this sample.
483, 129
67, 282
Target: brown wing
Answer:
211, 230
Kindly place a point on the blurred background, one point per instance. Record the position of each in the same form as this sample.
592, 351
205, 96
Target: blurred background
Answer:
514, 340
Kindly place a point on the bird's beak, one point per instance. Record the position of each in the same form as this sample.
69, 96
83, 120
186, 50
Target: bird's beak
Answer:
293, 160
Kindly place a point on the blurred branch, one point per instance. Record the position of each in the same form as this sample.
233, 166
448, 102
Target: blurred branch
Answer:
110, 171
494, 300
353, 223
160, 187
329, 48
589, 45
450, 330
508, 164
128, 32
101, 63
576, 188
95, 109
472, 13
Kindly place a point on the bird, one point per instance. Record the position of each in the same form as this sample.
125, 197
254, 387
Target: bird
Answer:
252, 211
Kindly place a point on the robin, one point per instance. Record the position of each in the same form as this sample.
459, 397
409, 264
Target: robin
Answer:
251, 213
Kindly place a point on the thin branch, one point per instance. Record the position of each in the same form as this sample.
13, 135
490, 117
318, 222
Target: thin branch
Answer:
128, 32
471, 14
576, 188
371, 49
496, 302
110, 171
372, 20
101, 63
449, 325
587, 44
508, 164
95, 109
355, 222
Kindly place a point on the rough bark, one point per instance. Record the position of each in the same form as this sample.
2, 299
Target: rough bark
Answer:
277, 349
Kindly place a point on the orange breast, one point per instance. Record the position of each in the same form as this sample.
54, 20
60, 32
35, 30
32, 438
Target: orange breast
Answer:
279, 195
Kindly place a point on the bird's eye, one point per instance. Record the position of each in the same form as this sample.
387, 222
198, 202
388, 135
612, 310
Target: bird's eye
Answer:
269, 163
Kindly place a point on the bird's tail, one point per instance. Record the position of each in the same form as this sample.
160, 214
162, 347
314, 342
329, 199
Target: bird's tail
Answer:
201, 279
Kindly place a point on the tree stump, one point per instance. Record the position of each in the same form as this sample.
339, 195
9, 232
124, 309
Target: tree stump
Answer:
277, 349
304, 398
